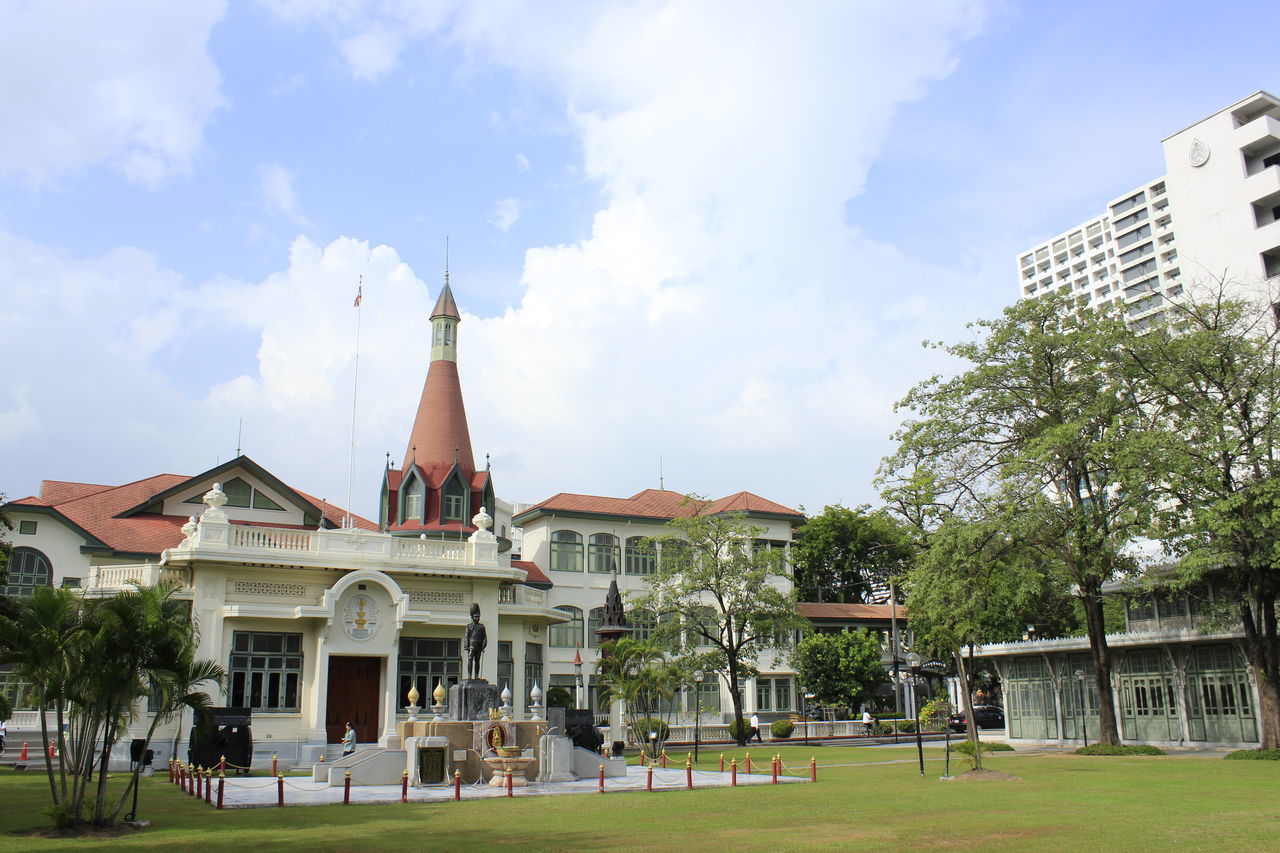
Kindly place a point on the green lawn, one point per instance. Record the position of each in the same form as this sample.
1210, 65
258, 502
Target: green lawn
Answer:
1064, 802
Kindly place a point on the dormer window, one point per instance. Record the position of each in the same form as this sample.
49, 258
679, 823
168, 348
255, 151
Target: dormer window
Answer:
413, 499
454, 501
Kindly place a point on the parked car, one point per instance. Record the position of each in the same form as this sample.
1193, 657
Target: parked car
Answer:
988, 717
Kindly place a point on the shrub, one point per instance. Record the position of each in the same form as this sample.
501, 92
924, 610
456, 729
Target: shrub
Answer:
782, 728
882, 728
737, 734
965, 747
1254, 755
1108, 749
907, 727
560, 697
644, 725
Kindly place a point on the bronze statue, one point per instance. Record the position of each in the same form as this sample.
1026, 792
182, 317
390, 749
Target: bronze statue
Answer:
475, 642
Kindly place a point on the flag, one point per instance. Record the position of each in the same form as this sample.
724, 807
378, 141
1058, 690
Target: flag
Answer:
359, 296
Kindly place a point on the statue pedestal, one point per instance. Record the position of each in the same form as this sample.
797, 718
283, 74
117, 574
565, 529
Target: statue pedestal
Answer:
472, 699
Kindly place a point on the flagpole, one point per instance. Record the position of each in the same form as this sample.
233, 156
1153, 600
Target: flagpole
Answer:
355, 389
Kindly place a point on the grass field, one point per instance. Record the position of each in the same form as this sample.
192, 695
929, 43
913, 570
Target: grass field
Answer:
866, 799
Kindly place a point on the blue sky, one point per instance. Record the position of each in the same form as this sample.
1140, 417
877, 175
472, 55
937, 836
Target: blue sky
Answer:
709, 233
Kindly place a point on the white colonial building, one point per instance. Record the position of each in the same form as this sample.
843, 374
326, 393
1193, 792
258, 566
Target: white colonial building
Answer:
323, 617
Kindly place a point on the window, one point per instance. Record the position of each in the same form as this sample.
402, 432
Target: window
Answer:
425, 662
709, 695
533, 670
413, 495
454, 501
703, 624
27, 527
602, 553
641, 557
642, 624
266, 670
14, 690
566, 552
773, 694
506, 665
594, 618
567, 635
778, 547
71, 583
28, 569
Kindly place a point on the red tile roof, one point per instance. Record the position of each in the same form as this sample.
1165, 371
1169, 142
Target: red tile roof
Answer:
94, 508
822, 610
440, 434
657, 504
535, 574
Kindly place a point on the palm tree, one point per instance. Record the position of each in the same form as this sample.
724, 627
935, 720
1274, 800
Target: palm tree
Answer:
43, 641
639, 673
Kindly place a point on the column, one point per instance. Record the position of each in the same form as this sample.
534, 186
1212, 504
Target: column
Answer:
391, 700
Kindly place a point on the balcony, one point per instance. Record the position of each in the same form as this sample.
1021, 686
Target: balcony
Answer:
1263, 185
111, 579
1258, 134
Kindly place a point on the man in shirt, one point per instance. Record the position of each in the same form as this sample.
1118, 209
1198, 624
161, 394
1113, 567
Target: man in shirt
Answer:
755, 728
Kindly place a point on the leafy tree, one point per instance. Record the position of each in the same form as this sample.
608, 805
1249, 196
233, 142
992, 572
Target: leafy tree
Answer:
841, 668
646, 680
728, 598
968, 585
843, 554
6, 551
1040, 434
1218, 455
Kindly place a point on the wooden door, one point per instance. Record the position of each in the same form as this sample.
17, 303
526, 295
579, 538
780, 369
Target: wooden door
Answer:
354, 693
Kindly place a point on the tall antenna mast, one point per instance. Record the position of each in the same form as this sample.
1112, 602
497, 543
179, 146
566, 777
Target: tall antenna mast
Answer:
661, 483
355, 388
240, 438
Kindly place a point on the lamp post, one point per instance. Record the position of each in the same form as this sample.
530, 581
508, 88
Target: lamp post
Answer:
913, 664
1084, 719
804, 711
697, 711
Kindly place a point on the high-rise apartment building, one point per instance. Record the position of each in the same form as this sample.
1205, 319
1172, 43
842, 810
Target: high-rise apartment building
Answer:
1215, 213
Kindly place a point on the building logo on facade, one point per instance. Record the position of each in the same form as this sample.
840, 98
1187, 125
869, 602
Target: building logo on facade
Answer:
1198, 154
360, 617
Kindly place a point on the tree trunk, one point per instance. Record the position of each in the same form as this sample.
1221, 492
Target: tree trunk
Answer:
1263, 653
48, 762
966, 703
1108, 731
734, 694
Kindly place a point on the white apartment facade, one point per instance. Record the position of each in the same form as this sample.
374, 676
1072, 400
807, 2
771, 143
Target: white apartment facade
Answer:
1214, 214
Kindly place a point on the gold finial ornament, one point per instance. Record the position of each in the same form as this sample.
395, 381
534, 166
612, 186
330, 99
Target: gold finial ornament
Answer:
413, 694
440, 693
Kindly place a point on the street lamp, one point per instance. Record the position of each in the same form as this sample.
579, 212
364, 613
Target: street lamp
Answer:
697, 711
1084, 719
913, 663
804, 711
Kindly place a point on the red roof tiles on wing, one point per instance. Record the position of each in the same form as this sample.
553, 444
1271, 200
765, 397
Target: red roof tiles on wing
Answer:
657, 504
535, 574
94, 508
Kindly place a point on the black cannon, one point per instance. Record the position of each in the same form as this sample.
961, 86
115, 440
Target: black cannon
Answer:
580, 727
229, 733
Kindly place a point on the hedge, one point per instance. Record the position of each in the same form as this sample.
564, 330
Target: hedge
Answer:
965, 747
782, 728
1108, 749
1254, 755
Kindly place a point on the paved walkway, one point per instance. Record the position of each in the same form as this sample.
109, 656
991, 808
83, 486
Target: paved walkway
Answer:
258, 792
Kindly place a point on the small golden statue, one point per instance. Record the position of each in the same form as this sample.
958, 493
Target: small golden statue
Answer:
495, 714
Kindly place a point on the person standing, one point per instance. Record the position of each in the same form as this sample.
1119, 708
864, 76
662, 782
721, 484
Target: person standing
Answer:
755, 728
867, 721
348, 740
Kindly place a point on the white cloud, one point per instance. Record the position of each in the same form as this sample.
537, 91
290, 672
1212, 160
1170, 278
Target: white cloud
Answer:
295, 82
720, 313
87, 83
278, 195
522, 163
506, 211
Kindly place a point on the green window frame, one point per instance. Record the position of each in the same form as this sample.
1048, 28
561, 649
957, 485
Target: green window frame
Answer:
566, 551
426, 661
264, 672
29, 570
567, 635
602, 554
642, 557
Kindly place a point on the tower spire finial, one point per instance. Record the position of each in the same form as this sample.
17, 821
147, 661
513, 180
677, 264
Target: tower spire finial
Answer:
446, 260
